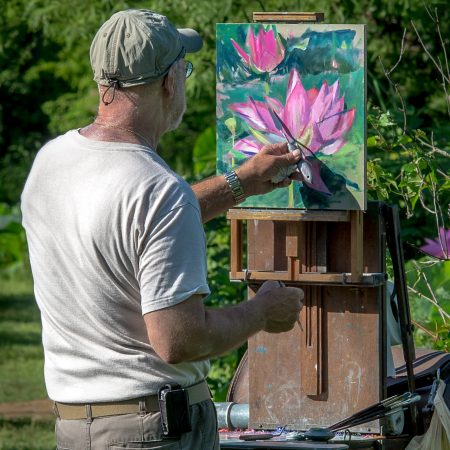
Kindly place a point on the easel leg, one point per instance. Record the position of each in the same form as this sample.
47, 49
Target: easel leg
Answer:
356, 236
236, 248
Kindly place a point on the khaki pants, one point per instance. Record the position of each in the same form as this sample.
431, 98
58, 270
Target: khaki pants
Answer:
134, 431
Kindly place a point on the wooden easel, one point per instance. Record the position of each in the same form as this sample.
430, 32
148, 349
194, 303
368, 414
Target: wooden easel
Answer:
342, 315
306, 377
307, 363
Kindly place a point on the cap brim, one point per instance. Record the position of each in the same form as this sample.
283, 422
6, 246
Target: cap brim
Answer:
191, 40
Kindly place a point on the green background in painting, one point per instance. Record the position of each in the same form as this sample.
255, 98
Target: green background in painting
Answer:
236, 83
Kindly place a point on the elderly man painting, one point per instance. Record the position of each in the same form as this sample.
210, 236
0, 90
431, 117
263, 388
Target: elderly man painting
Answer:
118, 255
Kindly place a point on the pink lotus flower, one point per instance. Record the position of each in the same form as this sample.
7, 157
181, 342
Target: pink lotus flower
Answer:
439, 247
266, 50
316, 118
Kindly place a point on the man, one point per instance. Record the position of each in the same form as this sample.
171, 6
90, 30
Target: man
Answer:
118, 254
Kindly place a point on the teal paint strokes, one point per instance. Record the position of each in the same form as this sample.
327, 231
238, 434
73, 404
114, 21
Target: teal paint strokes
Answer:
313, 78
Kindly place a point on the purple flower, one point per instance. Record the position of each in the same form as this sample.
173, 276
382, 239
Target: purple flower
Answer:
316, 118
439, 247
266, 50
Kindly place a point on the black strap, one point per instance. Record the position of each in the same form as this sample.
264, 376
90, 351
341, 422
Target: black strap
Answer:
114, 84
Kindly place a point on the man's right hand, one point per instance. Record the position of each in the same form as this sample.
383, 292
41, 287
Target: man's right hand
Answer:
280, 306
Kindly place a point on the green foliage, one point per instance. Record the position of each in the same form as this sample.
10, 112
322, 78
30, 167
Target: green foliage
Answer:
25, 434
406, 168
13, 246
203, 153
221, 372
21, 354
429, 294
21, 364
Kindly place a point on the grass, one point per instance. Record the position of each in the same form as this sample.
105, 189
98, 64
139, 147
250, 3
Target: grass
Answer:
24, 434
21, 364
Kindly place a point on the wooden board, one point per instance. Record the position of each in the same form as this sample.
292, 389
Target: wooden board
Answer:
335, 366
286, 215
287, 17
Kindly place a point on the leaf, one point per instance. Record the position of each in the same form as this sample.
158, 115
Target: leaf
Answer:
413, 200
261, 138
204, 154
404, 139
301, 44
238, 155
373, 141
385, 120
409, 168
231, 125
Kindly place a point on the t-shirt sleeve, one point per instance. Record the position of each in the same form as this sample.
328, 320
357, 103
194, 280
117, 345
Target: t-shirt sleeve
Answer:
172, 265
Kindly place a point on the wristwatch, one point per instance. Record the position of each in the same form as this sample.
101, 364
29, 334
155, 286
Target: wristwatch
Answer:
235, 186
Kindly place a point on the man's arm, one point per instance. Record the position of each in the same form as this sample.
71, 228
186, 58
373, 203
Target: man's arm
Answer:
190, 332
215, 196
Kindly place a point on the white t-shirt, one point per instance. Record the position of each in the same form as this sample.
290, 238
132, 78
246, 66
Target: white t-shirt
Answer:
113, 234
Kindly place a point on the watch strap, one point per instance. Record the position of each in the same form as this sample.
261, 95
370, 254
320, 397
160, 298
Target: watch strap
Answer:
235, 186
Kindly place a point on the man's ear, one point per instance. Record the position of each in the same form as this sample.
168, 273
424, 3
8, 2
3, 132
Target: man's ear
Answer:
169, 82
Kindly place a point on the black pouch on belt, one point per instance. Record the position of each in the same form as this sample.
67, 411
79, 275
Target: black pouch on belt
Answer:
175, 412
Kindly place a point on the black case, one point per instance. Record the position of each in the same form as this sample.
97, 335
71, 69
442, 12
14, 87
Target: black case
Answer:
175, 412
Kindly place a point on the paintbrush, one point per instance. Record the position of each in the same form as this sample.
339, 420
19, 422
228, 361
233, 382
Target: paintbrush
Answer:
377, 408
309, 165
377, 411
366, 419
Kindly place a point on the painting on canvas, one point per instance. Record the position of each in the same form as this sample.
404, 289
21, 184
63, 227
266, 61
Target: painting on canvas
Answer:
303, 84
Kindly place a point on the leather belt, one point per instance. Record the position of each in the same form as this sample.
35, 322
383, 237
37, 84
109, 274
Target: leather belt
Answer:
74, 411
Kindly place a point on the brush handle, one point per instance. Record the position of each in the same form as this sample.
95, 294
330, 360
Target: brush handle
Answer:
292, 146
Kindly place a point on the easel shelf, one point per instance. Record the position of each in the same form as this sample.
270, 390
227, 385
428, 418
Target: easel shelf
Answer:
333, 279
305, 233
288, 215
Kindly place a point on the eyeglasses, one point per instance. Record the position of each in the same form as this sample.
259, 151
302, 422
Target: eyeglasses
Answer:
189, 68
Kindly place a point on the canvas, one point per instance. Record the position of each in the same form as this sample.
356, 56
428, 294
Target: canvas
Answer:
298, 83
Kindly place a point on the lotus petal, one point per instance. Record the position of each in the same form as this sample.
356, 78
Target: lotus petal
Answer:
312, 94
439, 247
248, 145
319, 106
314, 179
241, 52
331, 118
296, 111
266, 51
269, 51
340, 128
334, 147
256, 114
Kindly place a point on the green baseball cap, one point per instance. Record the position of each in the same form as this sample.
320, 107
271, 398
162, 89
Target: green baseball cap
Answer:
138, 46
